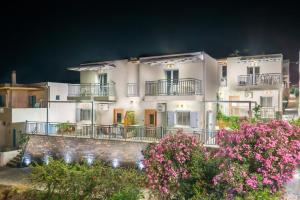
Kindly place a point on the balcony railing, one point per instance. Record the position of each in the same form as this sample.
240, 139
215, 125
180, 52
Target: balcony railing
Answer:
86, 90
113, 132
132, 90
173, 87
259, 79
267, 113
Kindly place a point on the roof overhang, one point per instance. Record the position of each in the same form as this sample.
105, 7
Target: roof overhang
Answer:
93, 66
173, 59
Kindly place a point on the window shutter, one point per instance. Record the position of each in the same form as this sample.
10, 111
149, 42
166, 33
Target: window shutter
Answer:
77, 114
171, 118
194, 119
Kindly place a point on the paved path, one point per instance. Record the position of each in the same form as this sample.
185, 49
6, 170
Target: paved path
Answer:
18, 177
14, 176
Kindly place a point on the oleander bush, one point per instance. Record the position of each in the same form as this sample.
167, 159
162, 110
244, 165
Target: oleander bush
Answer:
256, 158
253, 162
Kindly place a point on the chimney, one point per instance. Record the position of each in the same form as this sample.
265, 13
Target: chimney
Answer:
13, 77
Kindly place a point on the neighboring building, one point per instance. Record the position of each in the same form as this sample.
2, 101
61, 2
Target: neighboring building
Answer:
40, 102
261, 79
162, 91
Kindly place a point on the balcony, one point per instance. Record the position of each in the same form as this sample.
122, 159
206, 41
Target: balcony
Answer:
178, 87
96, 92
262, 81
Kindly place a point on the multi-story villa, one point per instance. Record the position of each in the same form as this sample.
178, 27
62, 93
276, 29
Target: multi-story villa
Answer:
146, 97
261, 79
161, 91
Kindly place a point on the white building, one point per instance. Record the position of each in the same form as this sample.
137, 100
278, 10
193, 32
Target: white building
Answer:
161, 91
260, 79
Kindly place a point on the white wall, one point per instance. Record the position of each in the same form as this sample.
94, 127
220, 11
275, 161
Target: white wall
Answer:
29, 114
60, 89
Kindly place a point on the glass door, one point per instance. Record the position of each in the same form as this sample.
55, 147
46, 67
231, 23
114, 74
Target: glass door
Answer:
103, 88
172, 77
253, 73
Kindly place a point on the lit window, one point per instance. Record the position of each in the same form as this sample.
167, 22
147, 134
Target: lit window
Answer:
183, 118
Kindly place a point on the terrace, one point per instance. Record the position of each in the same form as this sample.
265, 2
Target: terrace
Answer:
270, 80
90, 91
132, 133
176, 87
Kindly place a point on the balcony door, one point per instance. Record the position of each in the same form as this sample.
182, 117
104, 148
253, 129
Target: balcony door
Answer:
172, 77
103, 88
253, 73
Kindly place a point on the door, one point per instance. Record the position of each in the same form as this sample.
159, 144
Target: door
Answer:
253, 73
103, 84
150, 118
234, 107
118, 116
14, 138
172, 77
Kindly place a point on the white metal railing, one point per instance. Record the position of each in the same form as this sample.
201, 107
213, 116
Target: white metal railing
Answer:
259, 79
268, 112
82, 90
129, 133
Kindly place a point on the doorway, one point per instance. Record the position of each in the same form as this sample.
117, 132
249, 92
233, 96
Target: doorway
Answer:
103, 84
234, 107
150, 118
172, 77
253, 73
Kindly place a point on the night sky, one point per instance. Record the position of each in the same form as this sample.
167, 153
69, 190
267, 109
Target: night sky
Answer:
41, 40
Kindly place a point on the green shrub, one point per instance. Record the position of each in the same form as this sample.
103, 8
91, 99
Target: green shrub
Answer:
74, 181
127, 193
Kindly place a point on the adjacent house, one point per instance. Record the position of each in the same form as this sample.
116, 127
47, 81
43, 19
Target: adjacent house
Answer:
38, 103
261, 79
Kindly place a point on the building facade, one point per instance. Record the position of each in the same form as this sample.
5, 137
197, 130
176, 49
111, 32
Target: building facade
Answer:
161, 91
260, 79
39, 102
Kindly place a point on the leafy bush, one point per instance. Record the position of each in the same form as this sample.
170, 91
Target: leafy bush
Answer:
232, 122
257, 157
177, 166
64, 181
166, 163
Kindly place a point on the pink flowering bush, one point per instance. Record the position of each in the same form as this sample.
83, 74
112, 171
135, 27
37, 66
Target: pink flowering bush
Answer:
166, 163
257, 157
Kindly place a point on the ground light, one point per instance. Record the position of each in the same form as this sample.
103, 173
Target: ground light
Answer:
115, 163
68, 157
89, 159
26, 159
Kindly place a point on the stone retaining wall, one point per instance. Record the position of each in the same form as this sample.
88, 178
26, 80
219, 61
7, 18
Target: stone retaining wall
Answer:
77, 149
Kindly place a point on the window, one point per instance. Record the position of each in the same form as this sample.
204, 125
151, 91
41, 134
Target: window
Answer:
32, 101
119, 118
183, 118
2, 100
224, 71
266, 101
85, 114
57, 97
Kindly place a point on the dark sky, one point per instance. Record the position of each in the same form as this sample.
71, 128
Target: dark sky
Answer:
41, 40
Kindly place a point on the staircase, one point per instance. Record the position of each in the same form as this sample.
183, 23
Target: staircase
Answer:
16, 161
